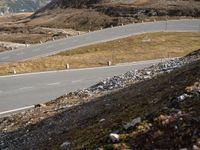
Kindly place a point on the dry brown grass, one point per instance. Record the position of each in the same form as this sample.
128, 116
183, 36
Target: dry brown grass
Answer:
14, 17
24, 37
135, 48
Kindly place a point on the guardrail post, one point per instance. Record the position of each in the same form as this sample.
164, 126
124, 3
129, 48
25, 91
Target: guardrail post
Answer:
109, 63
14, 71
67, 66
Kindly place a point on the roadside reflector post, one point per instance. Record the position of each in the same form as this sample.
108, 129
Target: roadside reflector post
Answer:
14, 71
101, 28
67, 66
122, 24
109, 63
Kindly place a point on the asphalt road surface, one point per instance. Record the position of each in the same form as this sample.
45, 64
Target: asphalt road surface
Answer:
52, 47
29, 89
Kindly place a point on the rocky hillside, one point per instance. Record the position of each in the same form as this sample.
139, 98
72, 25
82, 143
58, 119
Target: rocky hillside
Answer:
154, 108
94, 14
21, 5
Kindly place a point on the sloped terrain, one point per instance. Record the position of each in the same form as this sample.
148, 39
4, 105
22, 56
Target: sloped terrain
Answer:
153, 108
13, 29
88, 14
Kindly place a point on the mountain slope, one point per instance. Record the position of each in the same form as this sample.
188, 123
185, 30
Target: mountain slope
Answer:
94, 14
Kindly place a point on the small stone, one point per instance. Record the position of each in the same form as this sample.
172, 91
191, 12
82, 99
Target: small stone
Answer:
180, 113
40, 105
102, 120
114, 137
132, 123
66, 144
195, 147
100, 87
183, 97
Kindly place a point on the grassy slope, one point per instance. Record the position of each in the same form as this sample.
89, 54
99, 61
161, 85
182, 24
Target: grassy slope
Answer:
161, 45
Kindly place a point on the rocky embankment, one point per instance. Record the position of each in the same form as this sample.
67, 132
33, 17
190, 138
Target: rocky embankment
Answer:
122, 112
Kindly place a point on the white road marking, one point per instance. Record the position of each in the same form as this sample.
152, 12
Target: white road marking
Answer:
55, 83
25, 88
15, 110
76, 81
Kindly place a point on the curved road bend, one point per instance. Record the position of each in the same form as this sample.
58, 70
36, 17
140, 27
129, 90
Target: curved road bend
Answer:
52, 47
29, 89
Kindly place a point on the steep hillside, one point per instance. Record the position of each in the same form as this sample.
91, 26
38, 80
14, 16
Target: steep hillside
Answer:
21, 5
154, 108
94, 14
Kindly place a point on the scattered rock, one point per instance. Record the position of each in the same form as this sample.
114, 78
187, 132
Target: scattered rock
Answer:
132, 76
183, 97
40, 105
102, 120
114, 137
132, 123
195, 147
65, 145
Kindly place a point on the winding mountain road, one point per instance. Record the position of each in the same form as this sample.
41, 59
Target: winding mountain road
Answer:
53, 47
28, 89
